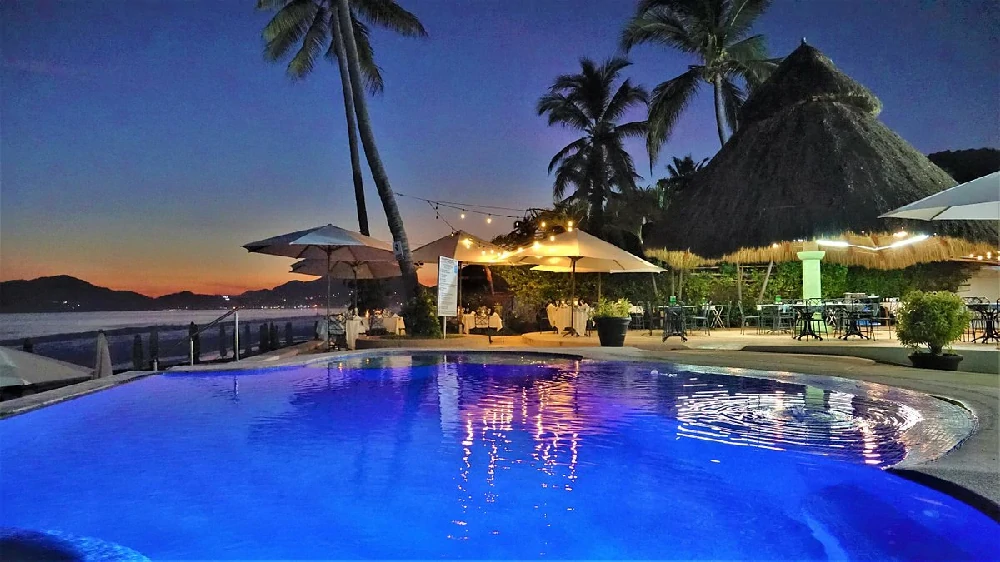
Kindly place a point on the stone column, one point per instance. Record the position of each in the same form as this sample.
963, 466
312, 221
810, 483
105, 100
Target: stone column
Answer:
811, 277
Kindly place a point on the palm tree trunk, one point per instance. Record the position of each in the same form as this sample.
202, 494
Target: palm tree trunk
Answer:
719, 109
352, 133
385, 193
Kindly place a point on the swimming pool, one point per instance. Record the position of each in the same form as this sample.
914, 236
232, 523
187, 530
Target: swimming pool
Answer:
490, 456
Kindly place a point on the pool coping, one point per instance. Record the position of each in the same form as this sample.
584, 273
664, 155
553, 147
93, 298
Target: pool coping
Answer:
969, 471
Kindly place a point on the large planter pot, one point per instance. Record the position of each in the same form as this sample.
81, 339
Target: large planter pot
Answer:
611, 331
943, 362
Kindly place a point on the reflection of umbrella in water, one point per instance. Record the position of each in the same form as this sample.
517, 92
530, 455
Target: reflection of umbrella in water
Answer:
329, 242
348, 270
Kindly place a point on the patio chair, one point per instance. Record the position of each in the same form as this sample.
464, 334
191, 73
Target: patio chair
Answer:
745, 319
977, 322
338, 332
702, 318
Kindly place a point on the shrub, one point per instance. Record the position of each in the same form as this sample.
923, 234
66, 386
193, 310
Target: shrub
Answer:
420, 315
615, 309
934, 319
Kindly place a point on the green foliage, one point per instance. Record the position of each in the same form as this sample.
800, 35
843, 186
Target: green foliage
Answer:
934, 319
612, 308
420, 315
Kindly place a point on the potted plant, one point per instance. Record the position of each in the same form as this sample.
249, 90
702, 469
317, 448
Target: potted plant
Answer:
934, 319
612, 319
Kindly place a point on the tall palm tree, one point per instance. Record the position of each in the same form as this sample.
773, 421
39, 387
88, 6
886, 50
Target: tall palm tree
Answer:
312, 27
393, 218
717, 33
596, 163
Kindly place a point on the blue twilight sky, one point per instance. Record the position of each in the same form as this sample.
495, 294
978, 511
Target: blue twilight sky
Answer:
143, 142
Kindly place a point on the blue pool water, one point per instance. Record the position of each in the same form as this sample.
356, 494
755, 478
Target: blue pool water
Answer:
485, 457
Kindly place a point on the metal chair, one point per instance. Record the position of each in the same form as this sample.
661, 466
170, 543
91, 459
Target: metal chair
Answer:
702, 318
744, 319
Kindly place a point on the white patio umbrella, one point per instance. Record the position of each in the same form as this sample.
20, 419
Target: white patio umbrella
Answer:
463, 247
20, 368
329, 242
575, 250
978, 199
348, 270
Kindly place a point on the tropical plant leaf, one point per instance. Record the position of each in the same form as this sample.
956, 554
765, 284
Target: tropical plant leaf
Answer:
287, 28
312, 45
732, 100
389, 15
666, 103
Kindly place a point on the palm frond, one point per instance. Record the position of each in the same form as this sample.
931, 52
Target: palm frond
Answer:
573, 147
755, 72
269, 5
287, 28
627, 96
633, 129
659, 25
563, 111
389, 15
742, 16
312, 45
732, 100
667, 101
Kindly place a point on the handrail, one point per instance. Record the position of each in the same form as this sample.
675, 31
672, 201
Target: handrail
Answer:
190, 337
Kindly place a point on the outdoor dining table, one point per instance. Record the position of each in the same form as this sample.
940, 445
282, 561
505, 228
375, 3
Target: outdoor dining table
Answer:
854, 314
674, 322
353, 327
560, 318
806, 315
989, 313
492, 322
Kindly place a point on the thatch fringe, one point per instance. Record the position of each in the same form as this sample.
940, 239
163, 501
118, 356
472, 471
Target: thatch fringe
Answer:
678, 259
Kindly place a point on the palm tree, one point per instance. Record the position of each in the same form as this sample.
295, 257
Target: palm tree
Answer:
596, 163
716, 33
633, 208
312, 26
393, 218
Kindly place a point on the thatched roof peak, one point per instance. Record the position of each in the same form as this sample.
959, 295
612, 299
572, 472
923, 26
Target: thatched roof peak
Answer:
805, 76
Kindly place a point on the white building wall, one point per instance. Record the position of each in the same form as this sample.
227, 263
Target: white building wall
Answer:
985, 282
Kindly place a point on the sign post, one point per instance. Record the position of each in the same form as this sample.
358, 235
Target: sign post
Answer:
447, 304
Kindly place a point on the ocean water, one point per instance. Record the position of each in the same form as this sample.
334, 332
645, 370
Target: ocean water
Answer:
17, 326
486, 457
71, 336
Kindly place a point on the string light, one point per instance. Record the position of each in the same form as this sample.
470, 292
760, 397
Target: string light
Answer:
552, 238
489, 219
462, 216
569, 224
543, 224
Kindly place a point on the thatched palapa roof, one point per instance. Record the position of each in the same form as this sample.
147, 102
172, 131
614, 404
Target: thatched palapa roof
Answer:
811, 160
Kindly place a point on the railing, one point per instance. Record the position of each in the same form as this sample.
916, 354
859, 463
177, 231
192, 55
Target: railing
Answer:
190, 338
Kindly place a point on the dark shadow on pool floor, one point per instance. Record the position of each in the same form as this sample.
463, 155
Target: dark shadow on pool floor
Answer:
981, 503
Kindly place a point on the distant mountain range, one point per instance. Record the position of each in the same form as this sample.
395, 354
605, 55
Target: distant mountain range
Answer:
63, 293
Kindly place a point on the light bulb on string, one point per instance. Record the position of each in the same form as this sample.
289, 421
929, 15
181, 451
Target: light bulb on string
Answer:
489, 219
461, 216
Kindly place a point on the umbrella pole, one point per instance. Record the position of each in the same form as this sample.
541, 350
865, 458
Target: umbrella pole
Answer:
598, 286
572, 302
356, 311
329, 253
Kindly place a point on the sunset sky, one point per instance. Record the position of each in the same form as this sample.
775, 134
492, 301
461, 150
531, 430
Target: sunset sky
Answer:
142, 143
